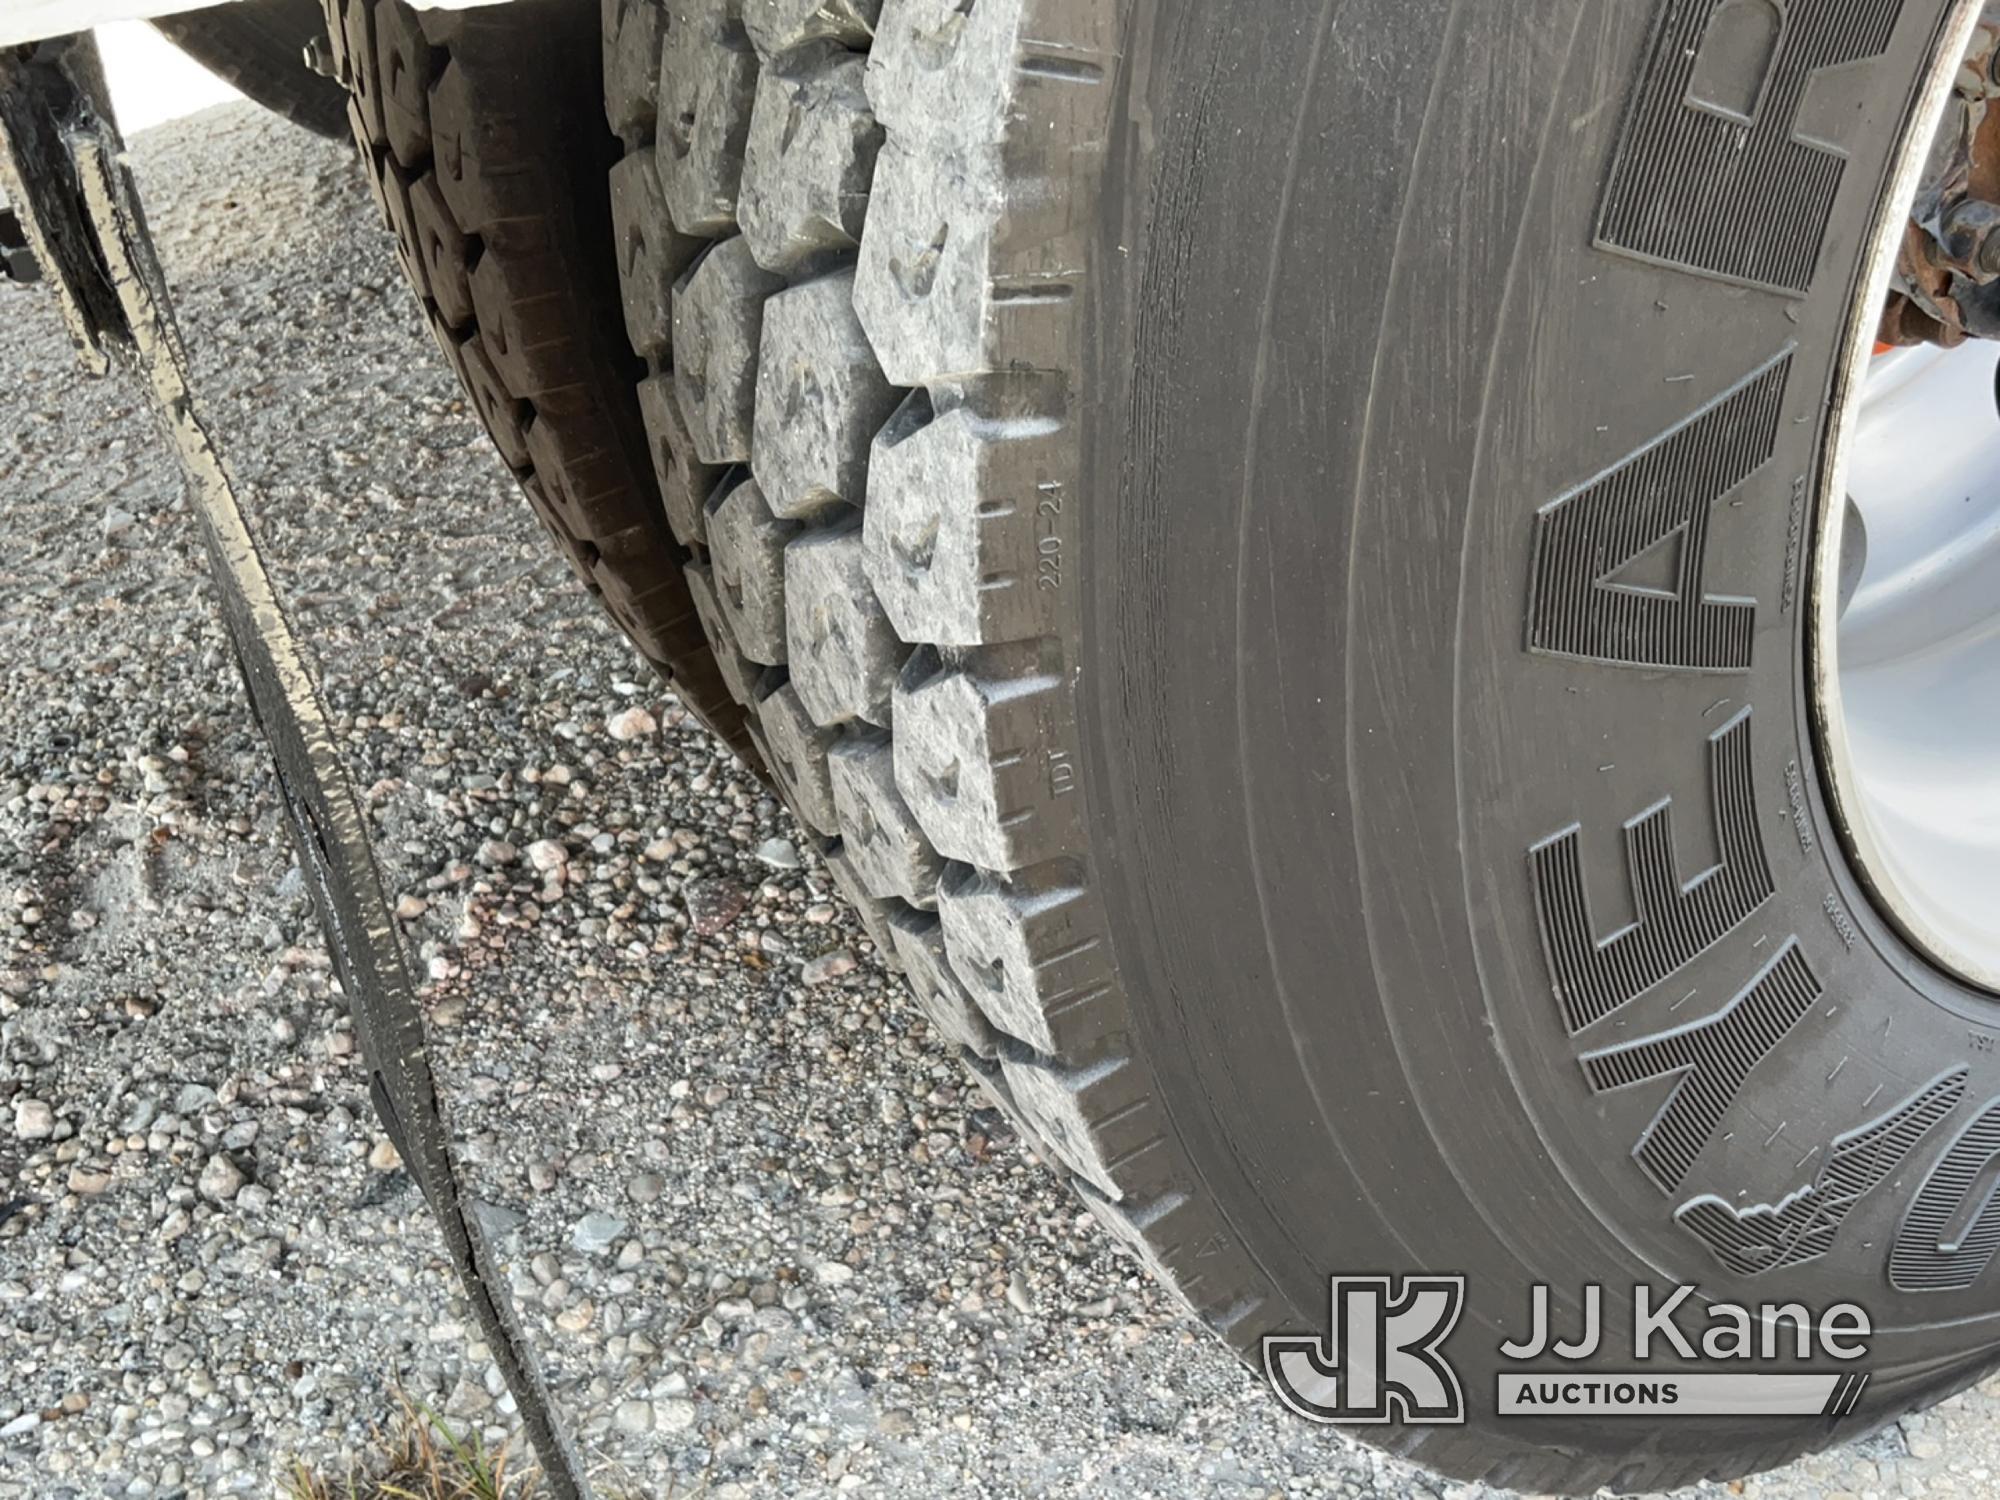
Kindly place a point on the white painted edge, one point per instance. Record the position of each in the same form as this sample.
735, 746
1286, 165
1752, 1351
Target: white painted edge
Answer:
35, 20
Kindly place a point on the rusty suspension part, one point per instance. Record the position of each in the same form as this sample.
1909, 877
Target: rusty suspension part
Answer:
1946, 284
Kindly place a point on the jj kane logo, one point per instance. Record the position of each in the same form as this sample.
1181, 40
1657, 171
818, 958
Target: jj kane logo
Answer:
1382, 1358
1380, 1361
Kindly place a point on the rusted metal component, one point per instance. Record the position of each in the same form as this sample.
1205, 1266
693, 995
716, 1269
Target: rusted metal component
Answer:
1946, 286
81, 214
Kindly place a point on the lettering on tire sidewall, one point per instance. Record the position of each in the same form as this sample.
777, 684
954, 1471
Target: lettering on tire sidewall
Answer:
1733, 1018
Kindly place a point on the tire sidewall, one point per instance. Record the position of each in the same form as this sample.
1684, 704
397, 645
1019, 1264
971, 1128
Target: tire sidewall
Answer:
1355, 353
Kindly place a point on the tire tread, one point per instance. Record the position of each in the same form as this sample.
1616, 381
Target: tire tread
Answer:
468, 139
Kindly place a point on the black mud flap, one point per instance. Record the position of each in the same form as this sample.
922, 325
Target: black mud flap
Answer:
84, 224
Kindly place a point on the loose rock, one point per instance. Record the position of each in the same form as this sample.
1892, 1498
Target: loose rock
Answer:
221, 1179
631, 724
779, 854
34, 1120
594, 1232
828, 966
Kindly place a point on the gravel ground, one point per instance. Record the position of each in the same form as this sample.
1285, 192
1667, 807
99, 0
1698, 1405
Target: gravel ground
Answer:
764, 1238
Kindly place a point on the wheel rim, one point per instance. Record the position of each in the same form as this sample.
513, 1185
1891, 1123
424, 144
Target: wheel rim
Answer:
1906, 606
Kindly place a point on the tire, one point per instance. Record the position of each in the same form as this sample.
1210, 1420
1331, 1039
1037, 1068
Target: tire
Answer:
482, 136
1151, 472
259, 47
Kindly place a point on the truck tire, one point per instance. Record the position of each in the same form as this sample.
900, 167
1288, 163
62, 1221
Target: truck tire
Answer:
259, 47
1158, 475
482, 135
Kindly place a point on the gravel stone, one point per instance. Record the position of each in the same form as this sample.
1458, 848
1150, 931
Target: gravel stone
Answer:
595, 1232
777, 26
34, 1120
674, 1415
713, 904
221, 1179
630, 724
829, 966
496, 853
779, 854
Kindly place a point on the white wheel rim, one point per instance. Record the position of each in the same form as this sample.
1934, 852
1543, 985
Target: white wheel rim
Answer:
1906, 663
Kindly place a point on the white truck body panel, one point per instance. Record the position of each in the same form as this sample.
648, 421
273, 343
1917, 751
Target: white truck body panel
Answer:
33, 20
